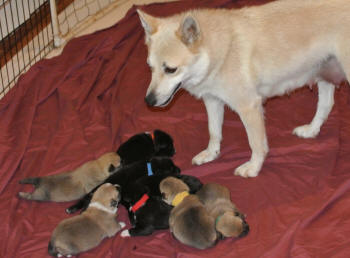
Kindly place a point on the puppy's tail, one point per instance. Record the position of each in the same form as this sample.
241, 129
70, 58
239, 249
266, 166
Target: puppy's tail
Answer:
31, 180
52, 250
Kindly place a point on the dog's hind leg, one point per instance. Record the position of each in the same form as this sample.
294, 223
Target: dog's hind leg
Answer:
38, 194
31, 180
139, 230
324, 107
215, 110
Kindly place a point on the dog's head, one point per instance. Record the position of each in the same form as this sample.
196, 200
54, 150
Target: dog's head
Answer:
232, 224
163, 144
138, 147
164, 166
109, 162
174, 55
107, 195
170, 187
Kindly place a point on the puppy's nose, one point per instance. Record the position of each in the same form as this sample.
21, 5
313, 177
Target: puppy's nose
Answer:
151, 99
245, 229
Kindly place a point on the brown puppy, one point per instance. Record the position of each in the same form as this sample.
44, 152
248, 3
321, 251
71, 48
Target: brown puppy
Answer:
189, 221
229, 221
74, 184
85, 231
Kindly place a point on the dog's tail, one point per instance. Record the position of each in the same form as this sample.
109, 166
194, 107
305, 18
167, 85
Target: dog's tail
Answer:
31, 180
52, 250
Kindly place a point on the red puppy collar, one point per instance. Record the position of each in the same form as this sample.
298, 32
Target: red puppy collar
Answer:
139, 203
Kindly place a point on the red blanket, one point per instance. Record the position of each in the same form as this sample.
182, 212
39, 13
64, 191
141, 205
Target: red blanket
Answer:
72, 108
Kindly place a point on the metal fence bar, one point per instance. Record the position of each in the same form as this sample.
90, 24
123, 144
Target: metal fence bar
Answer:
30, 29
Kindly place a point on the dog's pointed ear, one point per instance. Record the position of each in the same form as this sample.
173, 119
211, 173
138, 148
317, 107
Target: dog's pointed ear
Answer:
190, 31
149, 23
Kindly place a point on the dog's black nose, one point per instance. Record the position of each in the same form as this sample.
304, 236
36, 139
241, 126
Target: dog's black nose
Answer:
245, 229
151, 99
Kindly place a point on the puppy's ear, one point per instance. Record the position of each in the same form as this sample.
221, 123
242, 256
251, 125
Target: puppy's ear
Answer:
149, 23
189, 29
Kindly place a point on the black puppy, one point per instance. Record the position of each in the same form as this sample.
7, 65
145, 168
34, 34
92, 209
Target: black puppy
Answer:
144, 146
128, 174
147, 210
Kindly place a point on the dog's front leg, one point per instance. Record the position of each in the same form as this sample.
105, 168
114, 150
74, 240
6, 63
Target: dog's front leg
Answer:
253, 119
215, 110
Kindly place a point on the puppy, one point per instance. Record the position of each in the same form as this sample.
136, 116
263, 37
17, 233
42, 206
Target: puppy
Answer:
189, 220
144, 146
229, 221
74, 184
131, 173
147, 211
86, 231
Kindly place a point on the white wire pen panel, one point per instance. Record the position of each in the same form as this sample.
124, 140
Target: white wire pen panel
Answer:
29, 29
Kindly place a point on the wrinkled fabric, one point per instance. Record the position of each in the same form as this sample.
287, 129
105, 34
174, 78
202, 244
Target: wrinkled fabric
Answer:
72, 108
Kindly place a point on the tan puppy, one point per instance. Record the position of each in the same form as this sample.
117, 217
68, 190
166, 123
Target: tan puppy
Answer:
189, 221
241, 57
74, 184
229, 221
86, 231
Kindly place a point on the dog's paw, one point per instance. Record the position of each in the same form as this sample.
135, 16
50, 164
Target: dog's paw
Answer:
248, 169
204, 157
306, 131
24, 195
125, 233
122, 224
70, 210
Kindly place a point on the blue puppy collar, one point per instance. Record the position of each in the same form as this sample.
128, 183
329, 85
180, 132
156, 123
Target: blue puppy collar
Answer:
149, 169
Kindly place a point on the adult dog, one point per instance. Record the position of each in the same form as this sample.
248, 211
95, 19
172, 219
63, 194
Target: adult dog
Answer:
241, 57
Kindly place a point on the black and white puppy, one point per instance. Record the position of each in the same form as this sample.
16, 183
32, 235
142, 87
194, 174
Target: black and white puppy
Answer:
147, 210
144, 146
130, 173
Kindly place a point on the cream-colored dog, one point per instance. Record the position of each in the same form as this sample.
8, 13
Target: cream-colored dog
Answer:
241, 57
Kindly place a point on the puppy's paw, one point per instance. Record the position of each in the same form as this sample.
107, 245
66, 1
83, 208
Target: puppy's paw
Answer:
125, 233
248, 169
122, 224
70, 210
306, 131
24, 195
204, 157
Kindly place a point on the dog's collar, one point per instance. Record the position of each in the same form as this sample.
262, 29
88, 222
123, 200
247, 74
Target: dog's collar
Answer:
101, 207
217, 219
149, 169
151, 134
139, 203
179, 198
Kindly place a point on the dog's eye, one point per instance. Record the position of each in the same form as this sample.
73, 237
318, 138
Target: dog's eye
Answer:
169, 70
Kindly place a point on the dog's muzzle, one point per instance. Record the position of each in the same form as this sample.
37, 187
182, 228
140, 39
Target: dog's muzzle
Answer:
151, 99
